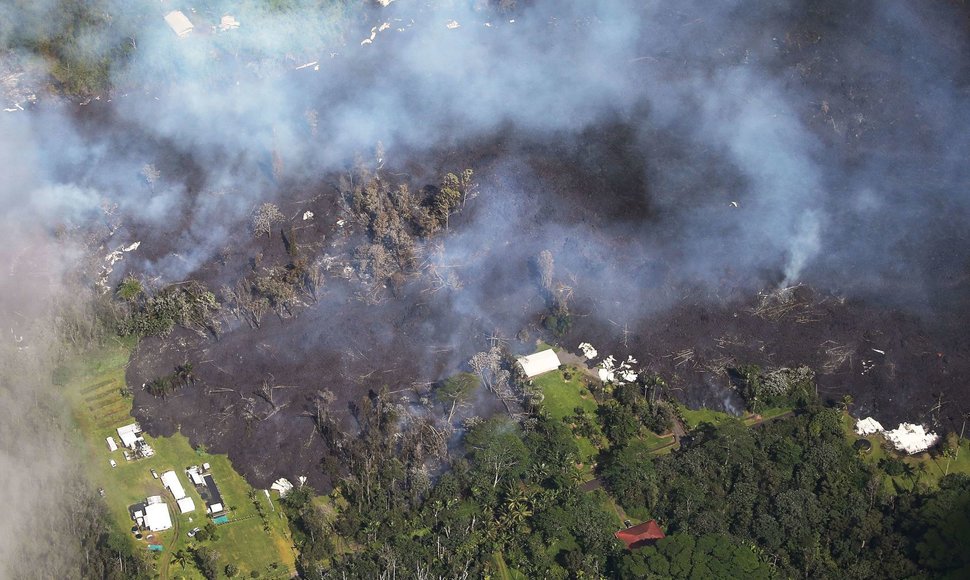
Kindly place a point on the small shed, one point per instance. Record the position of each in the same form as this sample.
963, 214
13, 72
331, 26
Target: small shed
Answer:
195, 475
112, 446
179, 23
539, 363
640, 534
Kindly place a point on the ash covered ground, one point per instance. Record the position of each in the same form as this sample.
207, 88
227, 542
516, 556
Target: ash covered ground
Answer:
777, 184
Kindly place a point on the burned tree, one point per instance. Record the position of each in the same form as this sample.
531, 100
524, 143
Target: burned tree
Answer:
151, 174
264, 218
545, 266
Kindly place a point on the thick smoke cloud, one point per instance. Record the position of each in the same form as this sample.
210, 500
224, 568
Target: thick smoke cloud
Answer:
38, 472
839, 158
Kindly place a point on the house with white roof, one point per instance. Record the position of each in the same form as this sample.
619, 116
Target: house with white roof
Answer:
179, 23
539, 363
153, 514
171, 481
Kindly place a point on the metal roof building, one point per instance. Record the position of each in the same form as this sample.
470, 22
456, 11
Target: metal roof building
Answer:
540, 362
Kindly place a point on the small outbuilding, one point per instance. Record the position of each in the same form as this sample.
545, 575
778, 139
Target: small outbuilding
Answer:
640, 535
195, 475
112, 446
539, 363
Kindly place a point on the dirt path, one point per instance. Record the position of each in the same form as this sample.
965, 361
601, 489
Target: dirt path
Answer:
168, 553
678, 430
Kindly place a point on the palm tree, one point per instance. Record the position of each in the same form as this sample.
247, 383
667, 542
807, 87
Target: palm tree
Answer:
846, 402
516, 510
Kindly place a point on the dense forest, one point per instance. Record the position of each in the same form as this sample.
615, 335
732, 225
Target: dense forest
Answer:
790, 498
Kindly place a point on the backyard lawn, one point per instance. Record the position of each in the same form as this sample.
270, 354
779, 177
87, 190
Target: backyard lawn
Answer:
94, 385
562, 395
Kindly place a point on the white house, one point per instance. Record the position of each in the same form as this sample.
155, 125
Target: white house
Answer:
540, 362
171, 481
179, 22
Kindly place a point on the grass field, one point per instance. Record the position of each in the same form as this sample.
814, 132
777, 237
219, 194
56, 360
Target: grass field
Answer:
561, 397
693, 418
93, 385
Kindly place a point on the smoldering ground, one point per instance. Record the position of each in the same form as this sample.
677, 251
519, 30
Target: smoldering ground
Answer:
675, 160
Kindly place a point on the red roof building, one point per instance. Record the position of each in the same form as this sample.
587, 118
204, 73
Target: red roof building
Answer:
640, 534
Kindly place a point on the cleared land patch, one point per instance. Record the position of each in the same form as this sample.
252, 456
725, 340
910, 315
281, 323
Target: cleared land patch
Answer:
94, 386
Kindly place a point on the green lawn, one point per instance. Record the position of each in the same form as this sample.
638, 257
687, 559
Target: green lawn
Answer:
657, 444
693, 418
562, 396
93, 385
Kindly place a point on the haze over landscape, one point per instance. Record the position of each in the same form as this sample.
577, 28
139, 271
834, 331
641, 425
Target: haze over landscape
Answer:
301, 223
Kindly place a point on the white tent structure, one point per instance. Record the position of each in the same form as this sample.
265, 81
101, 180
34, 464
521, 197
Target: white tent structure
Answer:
539, 363
186, 505
179, 22
171, 481
157, 517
